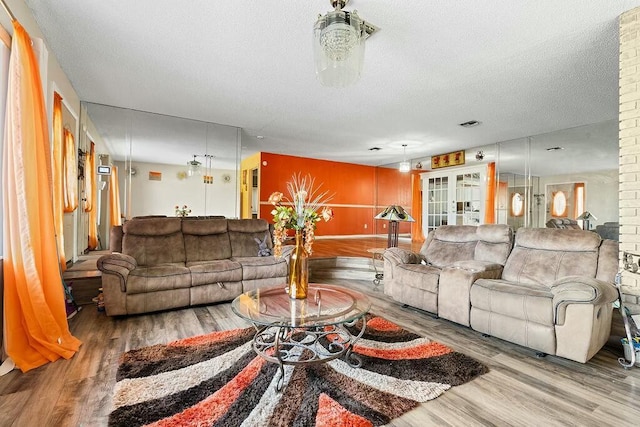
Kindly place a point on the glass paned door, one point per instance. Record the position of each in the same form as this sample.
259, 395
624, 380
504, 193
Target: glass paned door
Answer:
453, 197
468, 201
437, 202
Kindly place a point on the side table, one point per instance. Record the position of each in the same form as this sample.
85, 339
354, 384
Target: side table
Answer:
376, 256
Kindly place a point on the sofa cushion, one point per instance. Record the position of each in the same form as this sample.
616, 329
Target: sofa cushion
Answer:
543, 255
419, 276
533, 303
206, 240
450, 243
242, 235
494, 243
208, 272
158, 278
263, 267
154, 241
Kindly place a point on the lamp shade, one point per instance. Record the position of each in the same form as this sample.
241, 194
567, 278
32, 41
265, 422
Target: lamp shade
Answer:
586, 215
394, 213
338, 45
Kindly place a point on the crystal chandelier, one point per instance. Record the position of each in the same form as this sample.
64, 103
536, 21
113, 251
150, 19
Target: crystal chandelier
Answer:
339, 45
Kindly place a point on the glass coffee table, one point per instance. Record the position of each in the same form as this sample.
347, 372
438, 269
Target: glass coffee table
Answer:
323, 327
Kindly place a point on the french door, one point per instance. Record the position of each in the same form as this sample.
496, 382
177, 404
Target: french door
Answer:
453, 197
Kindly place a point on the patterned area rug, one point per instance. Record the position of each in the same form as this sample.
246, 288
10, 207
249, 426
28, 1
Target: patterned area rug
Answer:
217, 380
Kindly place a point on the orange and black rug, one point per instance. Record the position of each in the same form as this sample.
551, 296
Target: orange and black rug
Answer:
217, 380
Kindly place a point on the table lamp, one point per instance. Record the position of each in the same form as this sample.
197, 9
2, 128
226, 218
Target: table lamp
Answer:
394, 214
586, 216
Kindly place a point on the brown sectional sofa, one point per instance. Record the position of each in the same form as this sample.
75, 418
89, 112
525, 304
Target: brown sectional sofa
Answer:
169, 262
553, 292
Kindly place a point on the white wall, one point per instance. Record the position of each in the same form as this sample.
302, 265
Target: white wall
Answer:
601, 189
150, 197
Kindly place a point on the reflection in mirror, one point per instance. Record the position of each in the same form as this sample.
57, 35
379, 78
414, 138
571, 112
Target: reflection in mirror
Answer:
156, 156
583, 159
517, 204
558, 204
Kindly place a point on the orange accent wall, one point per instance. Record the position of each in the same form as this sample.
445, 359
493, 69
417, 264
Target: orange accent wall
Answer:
360, 191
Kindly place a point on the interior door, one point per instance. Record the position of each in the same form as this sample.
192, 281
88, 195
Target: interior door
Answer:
436, 205
454, 197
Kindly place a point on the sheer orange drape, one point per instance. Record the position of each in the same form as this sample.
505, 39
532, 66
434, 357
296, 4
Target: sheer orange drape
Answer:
490, 202
58, 168
70, 173
90, 196
114, 198
417, 235
35, 317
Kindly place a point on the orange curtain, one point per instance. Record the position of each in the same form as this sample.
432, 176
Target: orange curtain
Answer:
114, 198
490, 201
417, 235
35, 317
58, 153
90, 197
70, 169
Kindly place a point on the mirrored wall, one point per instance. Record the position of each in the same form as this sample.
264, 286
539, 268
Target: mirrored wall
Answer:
555, 176
162, 162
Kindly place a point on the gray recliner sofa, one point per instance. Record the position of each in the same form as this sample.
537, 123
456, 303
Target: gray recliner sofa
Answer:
555, 294
429, 279
552, 292
171, 262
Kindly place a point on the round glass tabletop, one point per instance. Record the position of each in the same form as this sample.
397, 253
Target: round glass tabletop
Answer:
325, 305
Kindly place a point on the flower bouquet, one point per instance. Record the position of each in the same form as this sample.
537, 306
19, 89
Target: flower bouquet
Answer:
301, 211
182, 211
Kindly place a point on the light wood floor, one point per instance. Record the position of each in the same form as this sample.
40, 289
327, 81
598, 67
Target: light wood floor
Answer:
519, 389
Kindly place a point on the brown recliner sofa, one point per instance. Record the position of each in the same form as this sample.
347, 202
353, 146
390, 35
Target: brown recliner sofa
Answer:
170, 262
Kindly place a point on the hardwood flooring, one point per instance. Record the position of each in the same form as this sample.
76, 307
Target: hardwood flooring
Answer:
520, 389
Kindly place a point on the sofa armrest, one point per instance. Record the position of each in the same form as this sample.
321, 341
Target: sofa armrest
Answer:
454, 302
401, 256
579, 290
119, 265
287, 250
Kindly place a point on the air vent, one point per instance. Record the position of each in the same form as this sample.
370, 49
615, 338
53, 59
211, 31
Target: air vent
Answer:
375, 149
470, 124
555, 148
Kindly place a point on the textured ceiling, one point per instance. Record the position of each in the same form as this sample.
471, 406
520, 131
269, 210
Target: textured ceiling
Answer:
521, 69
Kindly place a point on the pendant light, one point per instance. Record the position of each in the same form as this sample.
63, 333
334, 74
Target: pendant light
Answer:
194, 167
405, 165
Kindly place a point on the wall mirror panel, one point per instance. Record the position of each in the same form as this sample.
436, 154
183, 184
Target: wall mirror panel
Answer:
163, 162
583, 161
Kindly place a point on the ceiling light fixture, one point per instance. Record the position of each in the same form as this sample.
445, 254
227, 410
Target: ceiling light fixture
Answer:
194, 167
405, 166
338, 44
